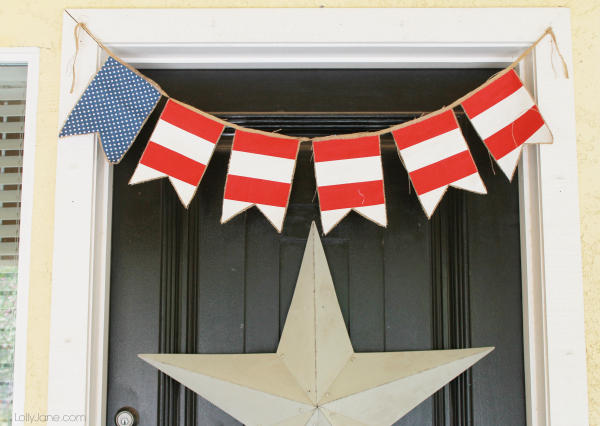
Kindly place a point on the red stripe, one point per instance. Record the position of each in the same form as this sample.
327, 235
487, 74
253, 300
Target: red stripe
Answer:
490, 95
265, 145
192, 122
344, 149
443, 172
258, 191
348, 195
425, 130
515, 134
172, 163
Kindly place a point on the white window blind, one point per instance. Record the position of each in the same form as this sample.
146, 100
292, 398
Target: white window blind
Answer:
13, 80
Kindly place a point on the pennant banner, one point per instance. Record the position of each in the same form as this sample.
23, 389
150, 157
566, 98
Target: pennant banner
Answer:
115, 105
261, 169
349, 176
348, 168
436, 156
180, 147
506, 117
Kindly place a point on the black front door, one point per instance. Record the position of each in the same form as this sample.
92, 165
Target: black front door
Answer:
183, 283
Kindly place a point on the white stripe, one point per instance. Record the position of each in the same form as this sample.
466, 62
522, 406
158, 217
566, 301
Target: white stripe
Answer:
430, 199
433, 150
184, 190
232, 207
258, 166
508, 163
542, 135
274, 214
144, 173
375, 213
471, 183
185, 143
503, 113
330, 218
355, 170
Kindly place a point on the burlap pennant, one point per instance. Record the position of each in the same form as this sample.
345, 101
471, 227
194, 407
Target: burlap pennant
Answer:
506, 117
115, 105
436, 155
349, 176
261, 170
180, 147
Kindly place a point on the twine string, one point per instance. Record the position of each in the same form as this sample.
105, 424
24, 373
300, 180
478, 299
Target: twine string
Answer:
77, 27
549, 31
564, 63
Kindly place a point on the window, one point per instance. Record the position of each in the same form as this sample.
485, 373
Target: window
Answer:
18, 100
13, 82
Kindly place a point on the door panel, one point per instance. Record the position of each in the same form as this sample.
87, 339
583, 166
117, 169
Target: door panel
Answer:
183, 283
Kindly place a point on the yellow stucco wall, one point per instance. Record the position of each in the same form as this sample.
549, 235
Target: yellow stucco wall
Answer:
38, 23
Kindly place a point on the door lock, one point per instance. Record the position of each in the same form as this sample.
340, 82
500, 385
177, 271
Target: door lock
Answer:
127, 416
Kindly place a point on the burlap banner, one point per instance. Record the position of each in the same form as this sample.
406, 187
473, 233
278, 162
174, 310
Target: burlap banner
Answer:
348, 168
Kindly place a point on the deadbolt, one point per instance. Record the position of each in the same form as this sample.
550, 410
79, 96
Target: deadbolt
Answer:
127, 416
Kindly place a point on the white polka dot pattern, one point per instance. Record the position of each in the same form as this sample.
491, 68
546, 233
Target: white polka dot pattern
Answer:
115, 104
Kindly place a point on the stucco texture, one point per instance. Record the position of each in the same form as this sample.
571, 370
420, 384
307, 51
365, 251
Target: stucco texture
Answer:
38, 23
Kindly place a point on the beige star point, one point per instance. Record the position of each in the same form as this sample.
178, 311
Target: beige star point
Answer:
315, 344
315, 378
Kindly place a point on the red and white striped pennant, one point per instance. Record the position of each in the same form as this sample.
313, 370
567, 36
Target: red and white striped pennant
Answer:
180, 148
261, 169
506, 117
349, 177
436, 156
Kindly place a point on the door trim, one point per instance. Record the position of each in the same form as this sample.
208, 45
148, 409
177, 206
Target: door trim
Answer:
555, 359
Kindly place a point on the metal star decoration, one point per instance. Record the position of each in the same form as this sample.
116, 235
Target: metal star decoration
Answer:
315, 378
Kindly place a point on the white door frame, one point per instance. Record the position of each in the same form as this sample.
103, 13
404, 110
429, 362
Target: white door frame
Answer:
555, 359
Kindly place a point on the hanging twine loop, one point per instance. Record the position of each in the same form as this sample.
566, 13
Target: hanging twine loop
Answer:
551, 32
77, 28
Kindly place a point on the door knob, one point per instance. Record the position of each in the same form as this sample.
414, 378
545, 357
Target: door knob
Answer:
127, 416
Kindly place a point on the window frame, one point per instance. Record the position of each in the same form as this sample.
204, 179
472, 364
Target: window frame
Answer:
554, 333
29, 56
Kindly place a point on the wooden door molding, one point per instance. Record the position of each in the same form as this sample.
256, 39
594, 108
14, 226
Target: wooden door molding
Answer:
362, 38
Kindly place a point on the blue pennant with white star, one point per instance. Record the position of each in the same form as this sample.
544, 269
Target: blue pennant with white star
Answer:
115, 104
